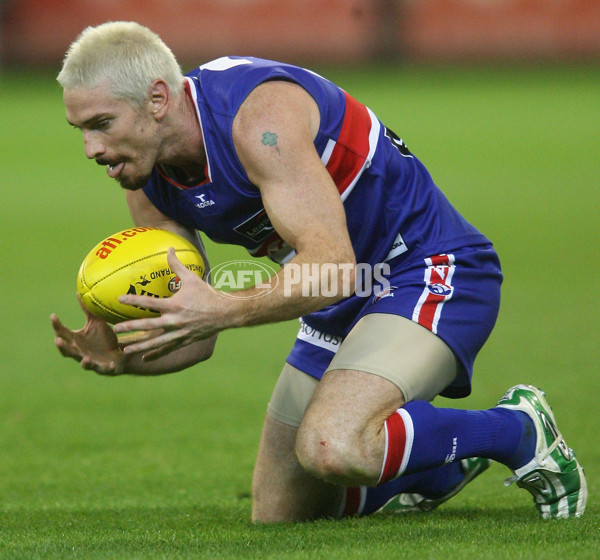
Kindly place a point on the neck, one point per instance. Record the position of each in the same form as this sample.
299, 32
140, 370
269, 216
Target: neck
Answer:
183, 147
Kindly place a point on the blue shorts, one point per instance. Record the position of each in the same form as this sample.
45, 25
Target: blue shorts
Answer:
455, 295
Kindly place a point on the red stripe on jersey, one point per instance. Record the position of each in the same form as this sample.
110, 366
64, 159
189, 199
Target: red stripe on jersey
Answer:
396, 445
352, 145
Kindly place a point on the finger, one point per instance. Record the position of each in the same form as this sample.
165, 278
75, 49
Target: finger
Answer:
137, 336
66, 349
89, 316
83, 307
151, 326
58, 327
109, 369
60, 344
88, 363
167, 338
147, 302
175, 264
159, 353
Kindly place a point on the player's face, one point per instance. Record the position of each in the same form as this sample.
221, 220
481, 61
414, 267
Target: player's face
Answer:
116, 134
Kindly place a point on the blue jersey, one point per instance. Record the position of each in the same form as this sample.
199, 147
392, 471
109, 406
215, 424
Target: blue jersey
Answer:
394, 211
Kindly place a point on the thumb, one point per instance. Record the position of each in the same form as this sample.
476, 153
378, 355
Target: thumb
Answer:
175, 264
88, 315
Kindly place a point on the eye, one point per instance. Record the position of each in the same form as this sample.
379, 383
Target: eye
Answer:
103, 124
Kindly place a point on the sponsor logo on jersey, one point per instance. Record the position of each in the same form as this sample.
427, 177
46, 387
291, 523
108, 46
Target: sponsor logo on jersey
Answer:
258, 227
313, 336
203, 202
398, 248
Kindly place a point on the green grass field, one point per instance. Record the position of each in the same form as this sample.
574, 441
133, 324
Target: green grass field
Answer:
92, 467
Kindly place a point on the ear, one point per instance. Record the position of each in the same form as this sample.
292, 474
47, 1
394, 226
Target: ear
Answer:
159, 96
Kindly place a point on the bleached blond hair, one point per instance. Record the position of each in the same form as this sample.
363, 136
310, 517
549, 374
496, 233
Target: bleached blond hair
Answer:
128, 54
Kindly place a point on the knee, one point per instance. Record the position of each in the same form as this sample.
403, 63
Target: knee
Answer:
336, 456
323, 455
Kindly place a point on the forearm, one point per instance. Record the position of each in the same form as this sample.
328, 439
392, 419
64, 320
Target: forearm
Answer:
304, 285
175, 361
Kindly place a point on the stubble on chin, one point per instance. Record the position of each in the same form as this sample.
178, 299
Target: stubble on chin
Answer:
133, 184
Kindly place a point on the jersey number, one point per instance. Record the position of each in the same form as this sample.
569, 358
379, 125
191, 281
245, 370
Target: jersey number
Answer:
397, 142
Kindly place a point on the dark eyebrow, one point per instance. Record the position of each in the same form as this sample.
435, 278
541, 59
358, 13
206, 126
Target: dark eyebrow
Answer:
92, 120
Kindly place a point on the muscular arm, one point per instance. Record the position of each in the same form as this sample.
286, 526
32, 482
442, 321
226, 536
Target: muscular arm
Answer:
274, 136
273, 133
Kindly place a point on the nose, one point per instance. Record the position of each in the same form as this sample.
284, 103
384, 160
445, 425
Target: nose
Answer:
92, 145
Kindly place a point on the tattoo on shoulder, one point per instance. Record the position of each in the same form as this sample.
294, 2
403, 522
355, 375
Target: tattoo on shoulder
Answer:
270, 139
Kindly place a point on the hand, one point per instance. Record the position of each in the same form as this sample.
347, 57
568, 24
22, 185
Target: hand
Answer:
194, 313
95, 346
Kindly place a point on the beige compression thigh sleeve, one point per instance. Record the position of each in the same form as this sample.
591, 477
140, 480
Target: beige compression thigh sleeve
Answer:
419, 363
290, 397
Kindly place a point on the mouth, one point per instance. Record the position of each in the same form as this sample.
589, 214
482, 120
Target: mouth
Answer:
114, 170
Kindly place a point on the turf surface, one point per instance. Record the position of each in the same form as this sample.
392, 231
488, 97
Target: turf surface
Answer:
161, 468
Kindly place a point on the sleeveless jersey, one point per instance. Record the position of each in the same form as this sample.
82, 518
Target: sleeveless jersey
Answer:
393, 209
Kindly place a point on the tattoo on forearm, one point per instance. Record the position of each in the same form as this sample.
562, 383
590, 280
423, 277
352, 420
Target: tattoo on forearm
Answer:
270, 139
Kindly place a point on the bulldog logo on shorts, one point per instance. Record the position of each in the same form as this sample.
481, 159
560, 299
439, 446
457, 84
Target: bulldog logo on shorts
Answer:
440, 289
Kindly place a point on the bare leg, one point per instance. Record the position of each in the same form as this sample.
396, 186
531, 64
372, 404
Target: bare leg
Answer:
282, 489
341, 438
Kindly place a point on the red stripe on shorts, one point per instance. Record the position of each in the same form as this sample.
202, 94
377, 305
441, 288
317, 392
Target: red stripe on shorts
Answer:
438, 289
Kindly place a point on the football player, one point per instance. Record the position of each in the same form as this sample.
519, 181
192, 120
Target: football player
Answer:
283, 162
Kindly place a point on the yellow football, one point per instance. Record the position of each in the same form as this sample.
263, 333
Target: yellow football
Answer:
133, 261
